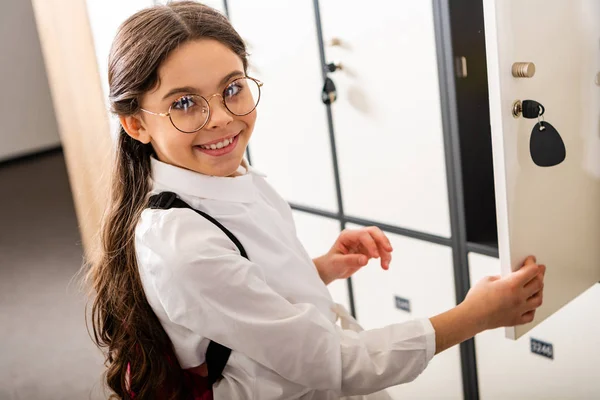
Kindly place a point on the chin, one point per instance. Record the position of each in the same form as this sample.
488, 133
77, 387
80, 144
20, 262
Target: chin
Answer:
225, 167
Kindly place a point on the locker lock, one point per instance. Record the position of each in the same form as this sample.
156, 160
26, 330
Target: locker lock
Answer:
530, 109
517, 109
334, 66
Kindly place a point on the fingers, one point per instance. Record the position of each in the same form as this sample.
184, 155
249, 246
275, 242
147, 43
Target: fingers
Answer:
527, 317
346, 265
354, 260
383, 245
517, 296
535, 301
536, 284
368, 243
526, 273
371, 242
382, 241
530, 260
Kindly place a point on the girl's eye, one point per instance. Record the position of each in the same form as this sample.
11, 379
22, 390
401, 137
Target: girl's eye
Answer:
233, 90
184, 103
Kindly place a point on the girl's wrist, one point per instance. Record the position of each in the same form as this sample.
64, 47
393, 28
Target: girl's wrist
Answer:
474, 315
320, 265
457, 325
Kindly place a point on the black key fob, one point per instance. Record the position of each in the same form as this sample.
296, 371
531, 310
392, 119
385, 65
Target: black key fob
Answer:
546, 146
329, 93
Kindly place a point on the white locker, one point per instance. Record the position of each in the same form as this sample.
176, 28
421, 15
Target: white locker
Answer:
291, 137
387, 117
546, 207
510, 370
420, 279
317, 235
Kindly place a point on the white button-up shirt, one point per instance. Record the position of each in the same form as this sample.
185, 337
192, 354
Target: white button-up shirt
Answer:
273, 311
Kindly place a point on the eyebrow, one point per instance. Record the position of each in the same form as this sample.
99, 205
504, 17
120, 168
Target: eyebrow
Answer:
191, 89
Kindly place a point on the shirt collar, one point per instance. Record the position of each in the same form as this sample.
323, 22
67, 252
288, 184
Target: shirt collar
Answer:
240, 189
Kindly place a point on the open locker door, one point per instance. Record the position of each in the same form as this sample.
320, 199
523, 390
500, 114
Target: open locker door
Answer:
72, 69
547, 180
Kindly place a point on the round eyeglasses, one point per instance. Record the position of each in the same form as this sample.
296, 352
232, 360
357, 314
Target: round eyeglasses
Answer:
191, 112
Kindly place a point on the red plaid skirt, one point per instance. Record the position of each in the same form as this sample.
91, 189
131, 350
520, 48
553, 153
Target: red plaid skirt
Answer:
198, 386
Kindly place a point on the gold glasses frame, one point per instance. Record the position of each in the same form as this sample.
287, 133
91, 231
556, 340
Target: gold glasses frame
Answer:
207, 100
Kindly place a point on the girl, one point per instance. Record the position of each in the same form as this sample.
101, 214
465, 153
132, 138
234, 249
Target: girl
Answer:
181, 300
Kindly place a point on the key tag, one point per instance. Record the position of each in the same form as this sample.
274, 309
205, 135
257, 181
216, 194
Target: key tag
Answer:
546, 147
329, 92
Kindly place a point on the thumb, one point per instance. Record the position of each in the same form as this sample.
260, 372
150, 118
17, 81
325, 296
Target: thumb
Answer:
530, 260
350, 260
526, 273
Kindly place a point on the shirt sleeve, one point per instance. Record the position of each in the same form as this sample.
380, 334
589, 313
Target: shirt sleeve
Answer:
206, 286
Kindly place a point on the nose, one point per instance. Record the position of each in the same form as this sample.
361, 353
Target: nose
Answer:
219, 115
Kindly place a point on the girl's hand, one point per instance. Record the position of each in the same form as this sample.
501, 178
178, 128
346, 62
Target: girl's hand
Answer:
511, 300
352, 250
492, 303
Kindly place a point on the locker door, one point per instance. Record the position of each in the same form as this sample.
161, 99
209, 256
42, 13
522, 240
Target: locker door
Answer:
64, 30
387, 118
566, 370
419, 283
552, 212
291, 138
318, 234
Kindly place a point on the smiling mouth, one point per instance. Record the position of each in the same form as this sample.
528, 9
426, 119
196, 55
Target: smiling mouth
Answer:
219, 145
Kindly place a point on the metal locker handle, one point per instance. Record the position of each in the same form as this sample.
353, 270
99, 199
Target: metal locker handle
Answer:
335, 42
523, 70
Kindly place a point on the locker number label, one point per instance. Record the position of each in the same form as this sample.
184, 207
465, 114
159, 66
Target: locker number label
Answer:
402, 304
542, 348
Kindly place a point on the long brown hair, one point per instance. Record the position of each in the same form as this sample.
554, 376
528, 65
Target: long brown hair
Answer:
139, 355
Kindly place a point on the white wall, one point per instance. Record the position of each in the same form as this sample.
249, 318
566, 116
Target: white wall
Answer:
106, 16
27, 122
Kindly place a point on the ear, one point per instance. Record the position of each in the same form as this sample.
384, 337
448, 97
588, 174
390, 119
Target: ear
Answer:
134, 127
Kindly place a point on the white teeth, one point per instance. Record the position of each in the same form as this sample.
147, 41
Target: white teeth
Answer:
219, 145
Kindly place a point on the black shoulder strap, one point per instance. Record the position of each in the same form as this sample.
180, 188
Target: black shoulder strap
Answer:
166, 200
217, 355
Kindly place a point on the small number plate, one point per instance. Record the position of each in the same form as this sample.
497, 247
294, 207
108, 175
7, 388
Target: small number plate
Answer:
542, 348
402, 304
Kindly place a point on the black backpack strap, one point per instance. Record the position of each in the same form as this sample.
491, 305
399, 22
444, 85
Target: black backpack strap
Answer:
166, 200
217, 355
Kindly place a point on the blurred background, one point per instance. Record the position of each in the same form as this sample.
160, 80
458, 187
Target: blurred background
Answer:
388, 124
